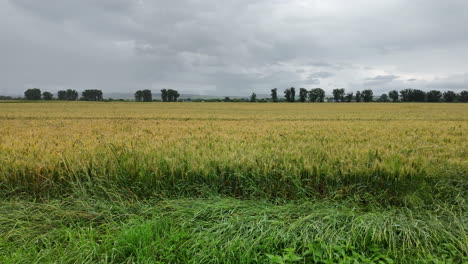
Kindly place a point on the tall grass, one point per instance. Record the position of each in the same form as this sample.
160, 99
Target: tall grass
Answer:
220, 230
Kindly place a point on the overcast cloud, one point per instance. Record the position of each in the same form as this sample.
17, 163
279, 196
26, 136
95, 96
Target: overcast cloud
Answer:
233, 47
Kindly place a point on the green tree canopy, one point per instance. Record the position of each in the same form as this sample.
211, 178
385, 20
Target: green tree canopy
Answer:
33, 94
47, 96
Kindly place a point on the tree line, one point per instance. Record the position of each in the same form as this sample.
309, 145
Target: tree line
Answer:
65, 95
339, 95
167, 95
303, 95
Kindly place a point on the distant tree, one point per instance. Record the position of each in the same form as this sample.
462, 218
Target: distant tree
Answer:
47, 96
33, 94
393, 95
358, 96
287, 95
226, 99
91, 95
312, 96
139, 96
147, 96
449, 96
406, 95
434, 96
412, 95
463, 96
384, 98
274, 94
316, 95
164, 96
72, 95
62, 95
69, 95
293, 94
349, 97
253, 97
338, 95
367, 95
172, 95
419, 95
302, 95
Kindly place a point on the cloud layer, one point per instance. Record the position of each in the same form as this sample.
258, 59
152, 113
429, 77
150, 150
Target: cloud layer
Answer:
233, 47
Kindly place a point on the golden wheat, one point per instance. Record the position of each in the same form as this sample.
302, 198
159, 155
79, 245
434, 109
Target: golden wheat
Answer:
302, 146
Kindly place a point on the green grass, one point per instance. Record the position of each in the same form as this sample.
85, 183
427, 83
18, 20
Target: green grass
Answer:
226, 230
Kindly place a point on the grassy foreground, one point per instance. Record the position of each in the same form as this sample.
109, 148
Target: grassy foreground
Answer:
233, 183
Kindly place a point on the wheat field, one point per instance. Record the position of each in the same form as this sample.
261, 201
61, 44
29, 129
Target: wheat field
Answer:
233, 182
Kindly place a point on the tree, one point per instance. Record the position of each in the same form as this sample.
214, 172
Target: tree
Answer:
367, 95
72, 95
62, 95
293, 94
172, 95
338, 95
274, 94
412, 95
302, 94
419, 95
316, 95
227, 99
139, 96
253, 97
393, 95
91, 95
349, 97
164, 95
384, 98
449, 96
147, 96
358, 96
463, 97
287, 95
33, 94
47, 96
405, 95
434, 96
69, 94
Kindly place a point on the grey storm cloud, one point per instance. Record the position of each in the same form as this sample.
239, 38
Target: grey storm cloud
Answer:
322, 75
231, 47
380, 79
312, 81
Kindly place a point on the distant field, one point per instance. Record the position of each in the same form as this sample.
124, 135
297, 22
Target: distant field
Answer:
235, 111
122, 182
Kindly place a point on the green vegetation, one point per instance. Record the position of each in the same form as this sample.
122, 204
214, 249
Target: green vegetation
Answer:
143, 96
91, 182
313, 95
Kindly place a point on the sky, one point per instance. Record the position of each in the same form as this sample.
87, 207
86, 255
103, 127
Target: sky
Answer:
233, 48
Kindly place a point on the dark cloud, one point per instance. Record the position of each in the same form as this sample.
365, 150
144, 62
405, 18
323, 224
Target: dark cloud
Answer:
321, 75
231, 47
321, 64
312, 81
380, 79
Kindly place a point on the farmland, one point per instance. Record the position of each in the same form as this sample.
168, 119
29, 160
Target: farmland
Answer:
121, 182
